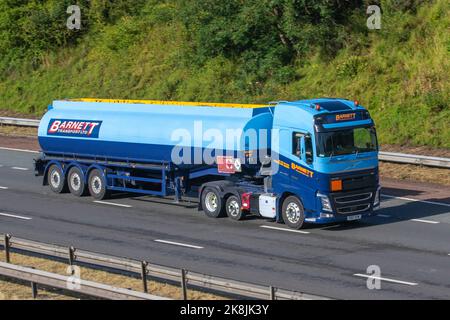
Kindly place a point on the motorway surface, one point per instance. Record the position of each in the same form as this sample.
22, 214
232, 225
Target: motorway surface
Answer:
409, 240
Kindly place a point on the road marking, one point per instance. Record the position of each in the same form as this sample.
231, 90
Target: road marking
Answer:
385, 279
417, 200
20, 168
425, 221
114, 204
285, 229
21, 150
178, 244
3, 188
14, 216
384, 216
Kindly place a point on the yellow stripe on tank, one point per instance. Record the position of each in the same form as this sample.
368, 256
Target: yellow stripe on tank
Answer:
175, 103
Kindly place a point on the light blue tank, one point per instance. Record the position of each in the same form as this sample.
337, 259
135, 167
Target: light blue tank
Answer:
147, 130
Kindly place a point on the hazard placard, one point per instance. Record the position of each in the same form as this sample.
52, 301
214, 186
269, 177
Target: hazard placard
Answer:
228, 164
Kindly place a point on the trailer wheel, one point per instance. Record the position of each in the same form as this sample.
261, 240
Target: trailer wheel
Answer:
76, 183
212, 203
293, 212
233, 208
97, 185
56, 180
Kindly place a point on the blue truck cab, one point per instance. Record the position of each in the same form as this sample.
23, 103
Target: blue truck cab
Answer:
327, 162
319, 164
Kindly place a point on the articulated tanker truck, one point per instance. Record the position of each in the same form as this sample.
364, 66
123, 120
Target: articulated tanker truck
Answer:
307, 161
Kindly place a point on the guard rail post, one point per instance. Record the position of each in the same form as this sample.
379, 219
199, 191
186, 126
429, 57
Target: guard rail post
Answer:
183, 284
7, 247
34, 290
71, 255
273, 293
144, 265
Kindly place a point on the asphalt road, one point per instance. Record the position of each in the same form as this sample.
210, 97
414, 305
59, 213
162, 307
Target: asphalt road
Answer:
409, 240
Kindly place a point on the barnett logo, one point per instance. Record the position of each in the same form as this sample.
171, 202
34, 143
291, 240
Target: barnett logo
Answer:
345, 116
74, 128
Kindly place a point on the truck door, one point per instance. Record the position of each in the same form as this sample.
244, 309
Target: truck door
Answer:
301, 167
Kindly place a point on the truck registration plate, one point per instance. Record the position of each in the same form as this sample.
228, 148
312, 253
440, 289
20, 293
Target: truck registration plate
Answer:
352, 218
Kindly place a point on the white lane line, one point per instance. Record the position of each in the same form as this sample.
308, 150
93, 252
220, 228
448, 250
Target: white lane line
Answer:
285, 229
4, 188
417, 200
385, 279
384, 216
425, 221
178, 244
21, 150
114, 204
20, 168
14, 216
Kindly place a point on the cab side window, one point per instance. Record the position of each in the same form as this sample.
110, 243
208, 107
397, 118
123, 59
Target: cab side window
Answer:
297, 146
309, 149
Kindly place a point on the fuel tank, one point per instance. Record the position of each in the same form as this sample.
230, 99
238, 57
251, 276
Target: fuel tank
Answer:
153, 130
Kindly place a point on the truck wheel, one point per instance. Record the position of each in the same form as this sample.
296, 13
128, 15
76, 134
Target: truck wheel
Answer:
75, 181
212, 203
293, 213
233, 208
56, 180
97, 185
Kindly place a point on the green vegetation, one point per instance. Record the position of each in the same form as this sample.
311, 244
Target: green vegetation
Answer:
236, 51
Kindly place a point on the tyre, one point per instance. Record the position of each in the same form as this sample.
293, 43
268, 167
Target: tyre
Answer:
56, 179
76, 183
233, 208
97, 185
212, 203
293, 213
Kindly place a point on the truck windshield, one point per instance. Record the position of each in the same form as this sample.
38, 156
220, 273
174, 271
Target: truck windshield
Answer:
346, 141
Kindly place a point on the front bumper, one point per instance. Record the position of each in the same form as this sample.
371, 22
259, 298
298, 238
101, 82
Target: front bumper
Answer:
326, 217
346, 206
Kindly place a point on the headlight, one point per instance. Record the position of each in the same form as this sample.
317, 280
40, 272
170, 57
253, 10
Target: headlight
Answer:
325, 201
376, 201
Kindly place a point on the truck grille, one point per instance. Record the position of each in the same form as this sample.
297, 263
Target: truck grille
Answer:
353, 198
353, 209
358, 192
351, 202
